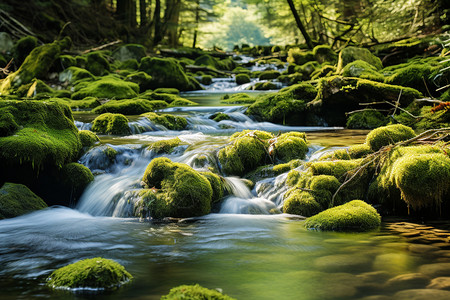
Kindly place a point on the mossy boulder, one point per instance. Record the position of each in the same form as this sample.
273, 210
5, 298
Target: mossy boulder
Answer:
301, 203
94, 273
166, 73
299, 57
35, 89
220, 116
352, 152
164, 146
171, 91
217, 186
23, 47
242, 78
129, 51
268, 75
388, 135
17, 199
141, 78
355, 215
171, 122
207, 60
73, 74
36, 65
98, 63
264, 86
350, 54
324, 53
75, 178
88, 138
177, 190
206, 79
367, 119
194, 292
363, 69
108, 87
238, 98
289, 146
129, 107
130, 65
109, 123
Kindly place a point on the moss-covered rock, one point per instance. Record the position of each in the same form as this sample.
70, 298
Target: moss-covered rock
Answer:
206, 79
336, 168
268, 75
108, 87
164, 146
75, 178
17, 199
109, 123
291, 145
129, 107
388, 135
171, 122
301, 203
88, 138
97, 63
166, 73
23, 47
94, 273
299, 57
367, 119
129, 51
207, 60
238, 98
353, 152
73, 74
363, 69
130, 65
141, 78
194, 292
171, 91
324, 53
264, 86
220, 116
216, 184
35, 89
36, 65
324, 71
352, 216
182, 102
349, 54
177, 190
242, 78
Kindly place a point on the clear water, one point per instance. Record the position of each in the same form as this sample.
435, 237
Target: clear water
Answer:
241, 249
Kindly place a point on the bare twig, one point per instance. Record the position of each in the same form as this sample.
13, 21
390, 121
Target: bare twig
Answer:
429, 100
442, 88
102, 47
397, 103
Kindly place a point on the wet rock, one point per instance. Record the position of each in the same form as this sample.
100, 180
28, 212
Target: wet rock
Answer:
440, 283
393, 262
406, 281
435, 270
342, 262
422, 294
418, 248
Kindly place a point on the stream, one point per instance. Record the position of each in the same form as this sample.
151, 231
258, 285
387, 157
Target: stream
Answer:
240, 249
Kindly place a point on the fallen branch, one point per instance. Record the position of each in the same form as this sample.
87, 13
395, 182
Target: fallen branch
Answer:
6, 70
102, 47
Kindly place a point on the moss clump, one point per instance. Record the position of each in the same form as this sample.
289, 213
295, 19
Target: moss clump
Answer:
239, 98
388, 135
169, 121
290, 146
242, 78
166, 73
97, 63
23, 48
216, 184
17, 199
268, 75
349, 54
94, 273
336, 168
363, 69
35, 89
208, 61
299, 57
194, 292
324, 71
111, 124
129, 51
88, 138
353, 152
45, 135
324, 53
177, 190
141, 78
75, 178
171, 91
220, 116
108, 87
355, 215
206, 79
182, 102
367, 119
264, 86
301, 203
164, 146
36, 65
74, 74
129, 107
129, 65
422, 179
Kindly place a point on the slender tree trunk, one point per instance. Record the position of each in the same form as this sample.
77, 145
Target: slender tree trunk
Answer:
143, 12
126, 12
197, 19
300, 24
157, 37
171, 19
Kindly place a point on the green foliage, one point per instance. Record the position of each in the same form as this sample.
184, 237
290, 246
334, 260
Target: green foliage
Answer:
94, 273
171, 122
367, 119
388, 135
350, 54
194, 292
242, 78
108, 87
17, 199
165, 146
166, 73
352, 216
109, 123
129, 107
177, 190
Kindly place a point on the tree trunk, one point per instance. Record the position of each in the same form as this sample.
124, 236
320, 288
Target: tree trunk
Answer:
126, 12
300, 24
171, 19
197, 19
143, 12
157, 37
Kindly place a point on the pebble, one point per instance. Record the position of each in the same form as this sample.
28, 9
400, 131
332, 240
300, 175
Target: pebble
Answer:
435, 270
440, 283
422, 294
405, 281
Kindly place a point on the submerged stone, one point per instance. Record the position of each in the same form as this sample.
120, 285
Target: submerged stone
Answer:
109, 123
90, 274
191, 292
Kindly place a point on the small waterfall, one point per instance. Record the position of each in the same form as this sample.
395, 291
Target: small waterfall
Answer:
83, 126
145, 125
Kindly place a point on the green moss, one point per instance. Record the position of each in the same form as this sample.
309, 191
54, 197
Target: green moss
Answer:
242, 78
36, 65
217, 186
353, 152
165, 146
336, 168
208, 61
182, 102
349, 54
17, 199
108, 87
75, 177
422, 179
220, 116
128, 52
299, 57
178, 190
301, 203
206, 79
241, 70
169, 121
388, 135
264, 86
86, 103
324, 53
46, 136
35, 89
97, 63
194, 292
367, 119
88, 138
291, 145
130, 64
268, 75
23, 48
363, 69
129, 107
73, 74
98, 273
109, 123
352, 216
141, 78
239, 98
324, 71
166, 73
171, 91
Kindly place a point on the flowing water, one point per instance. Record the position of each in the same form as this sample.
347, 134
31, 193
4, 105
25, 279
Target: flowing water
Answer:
241, 248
